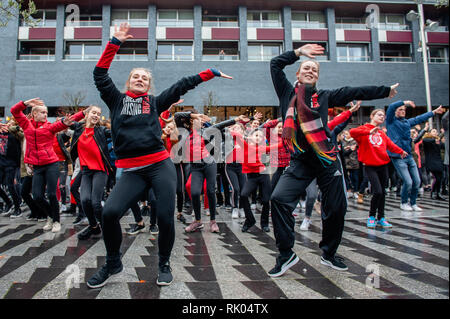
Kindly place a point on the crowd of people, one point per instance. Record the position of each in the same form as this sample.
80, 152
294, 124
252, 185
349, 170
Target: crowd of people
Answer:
158, 163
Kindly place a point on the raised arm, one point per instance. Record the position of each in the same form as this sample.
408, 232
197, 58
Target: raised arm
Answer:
344, 95
108, 91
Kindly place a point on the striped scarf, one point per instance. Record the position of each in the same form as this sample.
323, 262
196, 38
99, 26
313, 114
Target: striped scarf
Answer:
310, 122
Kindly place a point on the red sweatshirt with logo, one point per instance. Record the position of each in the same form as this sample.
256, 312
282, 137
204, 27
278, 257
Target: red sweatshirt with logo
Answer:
373, 147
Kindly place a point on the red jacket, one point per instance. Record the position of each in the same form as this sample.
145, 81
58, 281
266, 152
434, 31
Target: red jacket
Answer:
373, 148
39, 136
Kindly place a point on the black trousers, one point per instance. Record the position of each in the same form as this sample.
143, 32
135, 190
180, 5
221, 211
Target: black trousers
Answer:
200, 171
7, 176
255, 180
36, 212
181, 182
438, 180
129, 188
222, 181
75, 191
276, 176
91, 193
63, 170
46, 177
378, 177
237, 180
151, 200
297, 176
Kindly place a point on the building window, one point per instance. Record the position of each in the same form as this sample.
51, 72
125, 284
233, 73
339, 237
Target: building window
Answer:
175, 18
220, 51
47, 18
263, 51
309, 20
353, 53
83, 51
324, 57
36, 51
437, 54
136, 18
86, 20
175, 51
350, 23
390, 52
133, 51
220, 21
262, 19
2, 113
392, 22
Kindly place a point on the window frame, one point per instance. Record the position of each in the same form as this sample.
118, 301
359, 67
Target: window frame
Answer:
173, 56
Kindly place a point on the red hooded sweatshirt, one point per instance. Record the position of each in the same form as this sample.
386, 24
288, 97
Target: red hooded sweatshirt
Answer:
373, 148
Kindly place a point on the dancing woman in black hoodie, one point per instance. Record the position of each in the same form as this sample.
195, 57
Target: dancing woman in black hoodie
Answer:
136, 135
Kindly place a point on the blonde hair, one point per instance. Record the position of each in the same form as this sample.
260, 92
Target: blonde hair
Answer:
37, 108
127, 84
376, 111
310, 60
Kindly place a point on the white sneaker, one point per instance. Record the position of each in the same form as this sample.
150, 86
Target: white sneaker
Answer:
406, 207
349, 194
63, 207
241, 213
56, 227
49, 225
305, 224
207, 212
421, 191
416, 208
253, 206
259, 206
235, 213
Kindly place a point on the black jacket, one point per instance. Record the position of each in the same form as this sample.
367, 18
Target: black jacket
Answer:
433, 159
62, 139
101, 134
10, 150
327, 98
135, 119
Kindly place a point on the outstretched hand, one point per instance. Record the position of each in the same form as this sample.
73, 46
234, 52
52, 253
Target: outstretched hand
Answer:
439, 110
221, 74
3, 128
410, 103
355, 107
258, 116
310, 50
122, 34
175, 104
393, 91
242, 118
69, 120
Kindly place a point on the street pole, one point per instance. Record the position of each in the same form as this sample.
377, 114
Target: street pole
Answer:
425, 59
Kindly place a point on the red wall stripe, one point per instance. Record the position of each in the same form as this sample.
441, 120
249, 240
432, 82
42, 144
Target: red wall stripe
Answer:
437, 37
357, 35
225, 34
87, 33
270, 34
42, 33
314, 34
399, 36
180, 33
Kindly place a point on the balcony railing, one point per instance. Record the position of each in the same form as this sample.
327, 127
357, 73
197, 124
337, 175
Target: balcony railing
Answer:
80, 57
175, 23
393, 27
309, 25
36, 57
217, 57
395, 58
221, 24
351, 26
132, 22
265, 57
88, 23
131, 57
178, 57
437, 60
264, 24
353, 58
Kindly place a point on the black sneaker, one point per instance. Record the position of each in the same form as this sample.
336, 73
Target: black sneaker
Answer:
78, 220
247, 226
136, 229
265, 229
334, 262
101, 276
145, 211
8, 210
89, 231
154, 229
165, 277
30, 217
283, 264
16, 214
181, 218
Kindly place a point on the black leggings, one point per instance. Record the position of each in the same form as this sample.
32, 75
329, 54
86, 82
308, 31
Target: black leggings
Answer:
276, 176
198, 174
253, 181
438, 180
151, 200
75, 191
46, 176
36, 212
128, 191
63, 169
378, 177
237, 181
222, 181
181, 181
7, 176
91, 194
